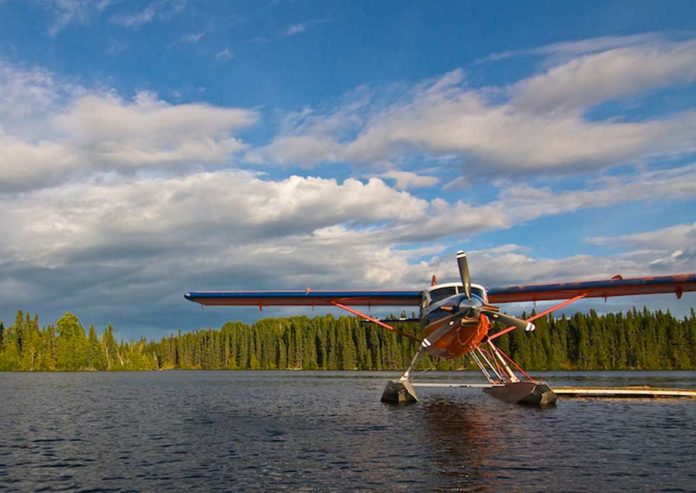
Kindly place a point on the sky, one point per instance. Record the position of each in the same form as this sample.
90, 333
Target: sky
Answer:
151, 148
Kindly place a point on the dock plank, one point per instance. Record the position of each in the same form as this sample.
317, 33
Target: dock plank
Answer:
625, 392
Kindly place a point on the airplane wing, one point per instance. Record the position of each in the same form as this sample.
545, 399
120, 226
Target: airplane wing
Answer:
677, 284
305, 298
617, 286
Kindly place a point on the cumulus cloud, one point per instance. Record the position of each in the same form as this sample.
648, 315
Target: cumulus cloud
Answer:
24, 164
151, 237
668, 249
87, 223
110, 240
536, 123
526, 202
63, 224
51, 130
150, 131
235, 209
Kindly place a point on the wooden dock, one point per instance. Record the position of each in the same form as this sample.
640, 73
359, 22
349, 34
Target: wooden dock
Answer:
644, 392
638, 392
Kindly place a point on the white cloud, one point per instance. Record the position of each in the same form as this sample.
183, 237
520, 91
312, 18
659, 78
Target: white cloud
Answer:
524, 127
590, 79
41, 163
66, 12
670, 249
294, 29
305, 150
150, 131
121, 238
580, 47
406, 180
235, 211
136, 19
301, 27
192, 38
525, 203
27, 94
224, 55
672, 238
161, 10
154, 238
514, 264
51, 131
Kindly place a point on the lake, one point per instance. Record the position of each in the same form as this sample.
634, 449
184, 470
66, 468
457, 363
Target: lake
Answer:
328, 431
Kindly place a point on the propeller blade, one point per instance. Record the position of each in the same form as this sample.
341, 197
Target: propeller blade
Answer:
464, 273
510, 320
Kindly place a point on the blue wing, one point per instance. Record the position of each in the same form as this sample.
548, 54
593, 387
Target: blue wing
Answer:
305, 298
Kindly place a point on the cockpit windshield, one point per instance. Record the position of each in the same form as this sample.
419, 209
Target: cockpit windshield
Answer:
442, 293
439, 293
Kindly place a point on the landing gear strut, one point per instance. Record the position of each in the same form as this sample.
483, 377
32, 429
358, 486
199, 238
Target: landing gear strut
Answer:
505, 385
401, 391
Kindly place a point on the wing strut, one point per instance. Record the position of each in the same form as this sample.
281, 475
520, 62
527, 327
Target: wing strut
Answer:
374, 320
539, 315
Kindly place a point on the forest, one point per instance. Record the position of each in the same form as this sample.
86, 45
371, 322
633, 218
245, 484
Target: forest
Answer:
636, 340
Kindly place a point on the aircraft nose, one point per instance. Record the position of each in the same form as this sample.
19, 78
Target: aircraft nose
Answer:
469, 308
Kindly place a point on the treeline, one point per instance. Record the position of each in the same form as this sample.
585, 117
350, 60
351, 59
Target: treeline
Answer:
634, 340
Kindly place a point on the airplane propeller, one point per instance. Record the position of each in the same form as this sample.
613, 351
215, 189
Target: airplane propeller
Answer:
464, 273
509, 319
490, 311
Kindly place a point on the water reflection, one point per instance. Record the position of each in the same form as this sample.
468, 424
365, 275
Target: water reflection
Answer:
463, 441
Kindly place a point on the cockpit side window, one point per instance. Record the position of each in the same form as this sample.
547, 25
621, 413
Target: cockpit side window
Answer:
425, 302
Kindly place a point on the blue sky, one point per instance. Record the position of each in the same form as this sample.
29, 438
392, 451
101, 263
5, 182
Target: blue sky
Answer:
156, 147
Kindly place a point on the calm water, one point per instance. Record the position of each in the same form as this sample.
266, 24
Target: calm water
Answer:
305, 431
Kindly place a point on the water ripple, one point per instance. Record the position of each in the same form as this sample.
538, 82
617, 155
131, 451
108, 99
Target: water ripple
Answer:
290, 431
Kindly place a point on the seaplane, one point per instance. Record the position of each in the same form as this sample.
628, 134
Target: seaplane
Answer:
461, 318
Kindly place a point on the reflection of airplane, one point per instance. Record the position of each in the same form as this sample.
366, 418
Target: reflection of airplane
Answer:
463, 441
457, 319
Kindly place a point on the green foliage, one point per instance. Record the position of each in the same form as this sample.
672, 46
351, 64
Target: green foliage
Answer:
71, 344
634, 340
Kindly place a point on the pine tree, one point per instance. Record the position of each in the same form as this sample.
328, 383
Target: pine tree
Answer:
96, 355
114, 361
71, 345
